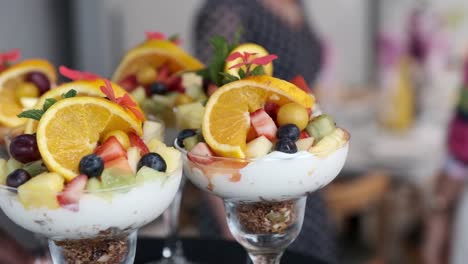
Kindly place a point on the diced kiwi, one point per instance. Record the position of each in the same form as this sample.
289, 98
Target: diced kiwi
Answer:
139, 94
148, 174
12, 165
115, 178
35, 168
190, 142
93, 185
320, 126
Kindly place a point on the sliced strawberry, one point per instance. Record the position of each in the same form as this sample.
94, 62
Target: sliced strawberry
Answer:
163, 73
130, 83
111, 149
304, 135
201, 153
174, 84
263, 124
299, 81
136, 141
271, 109
70, 196
119, 163
251, 134
309, 111
211, 89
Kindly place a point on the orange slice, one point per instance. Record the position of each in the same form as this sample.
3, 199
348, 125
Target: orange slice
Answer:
82, 87
155, 53
251, 48
226, 121
71, 128
10, 107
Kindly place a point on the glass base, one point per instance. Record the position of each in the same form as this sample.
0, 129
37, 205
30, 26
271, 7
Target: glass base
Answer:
119, 249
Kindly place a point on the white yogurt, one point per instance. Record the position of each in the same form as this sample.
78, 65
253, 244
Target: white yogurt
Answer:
125, 211
277, 176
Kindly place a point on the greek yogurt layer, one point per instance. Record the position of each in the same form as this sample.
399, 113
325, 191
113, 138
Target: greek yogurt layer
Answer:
123, 210
276, 176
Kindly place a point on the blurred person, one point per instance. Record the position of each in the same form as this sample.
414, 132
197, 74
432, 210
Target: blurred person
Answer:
281, 27
447, 229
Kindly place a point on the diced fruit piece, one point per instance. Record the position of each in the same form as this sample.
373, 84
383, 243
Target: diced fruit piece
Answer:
330, 143
263, 124
114, 178
201, 153
41, 191
304, 134
26, 89
91, 165
111, 149
147, 174
12, 165
301, 83
17, 178
3, 171
305, 144
136, 141
130, 83
119, 163
293, 113
211, 89
174, 84
159, 88
93, 185
40, 80
190, 115
193, 84
289, 131
182, 99
139, 94
69, 198
185, 134
28, 102
321, 126
286, 145
171, 156
133, 156
35, 168
165, 101
152, 160
258, 147
146, 75
251, 134
155, 144
120, 136
190, 142
271, 109
152, 129
24, 148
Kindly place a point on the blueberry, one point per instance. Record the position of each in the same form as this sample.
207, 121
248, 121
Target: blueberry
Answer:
17, 177
152, 160
91, 165
158, 88
289, 131
286, 145
183, 135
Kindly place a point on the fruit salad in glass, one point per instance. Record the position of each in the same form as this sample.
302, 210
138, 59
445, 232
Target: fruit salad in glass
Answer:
83, 178
262, 148
21, 83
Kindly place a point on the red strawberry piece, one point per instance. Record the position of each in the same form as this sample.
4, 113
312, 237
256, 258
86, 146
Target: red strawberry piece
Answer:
309, 111
119, 163
175, 84
299, 81
111, 149
163, 73
303, 135
272, 109
136, 141
70, 196
251, 134
130, 83
211, 89
263, 124
201, 153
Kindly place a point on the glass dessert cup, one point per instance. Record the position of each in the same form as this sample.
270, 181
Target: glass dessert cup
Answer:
103, 229
264, 198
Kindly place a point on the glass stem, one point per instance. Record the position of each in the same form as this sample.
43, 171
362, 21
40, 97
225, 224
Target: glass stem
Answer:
172, 246
265, 258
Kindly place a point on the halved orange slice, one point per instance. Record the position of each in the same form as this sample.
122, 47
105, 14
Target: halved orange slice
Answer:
226, 121
72, 127
155, 53
10, 78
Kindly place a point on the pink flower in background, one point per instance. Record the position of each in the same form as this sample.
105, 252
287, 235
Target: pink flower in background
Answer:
8, 57
78, 75
156, 35
125, 101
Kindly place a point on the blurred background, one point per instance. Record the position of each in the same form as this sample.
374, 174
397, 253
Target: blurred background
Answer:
391, 76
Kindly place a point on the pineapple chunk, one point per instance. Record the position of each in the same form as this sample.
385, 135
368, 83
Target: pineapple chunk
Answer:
3, 171
170, 155
190, 115
330, 143
41, 191
154, 144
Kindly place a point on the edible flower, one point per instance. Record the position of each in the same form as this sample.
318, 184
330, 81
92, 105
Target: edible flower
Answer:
8, 57
76, 75
125, 101
155, 35
248, 60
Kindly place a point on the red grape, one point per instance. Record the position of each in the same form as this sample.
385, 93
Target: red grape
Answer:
40, 80
23, 148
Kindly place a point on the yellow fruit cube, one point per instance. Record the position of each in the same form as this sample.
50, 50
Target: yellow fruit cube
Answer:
41, 191
154, 144
170, 155
3, 171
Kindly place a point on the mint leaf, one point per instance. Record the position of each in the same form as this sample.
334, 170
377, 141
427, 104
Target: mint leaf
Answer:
174, 37
259, 70
35, 114
241, 73
69, 94
48, 103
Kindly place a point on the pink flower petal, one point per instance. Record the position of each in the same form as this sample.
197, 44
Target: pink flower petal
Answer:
264, 60
10, 56
238, 65
234, 56
108, 90
77, 75
247, 55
